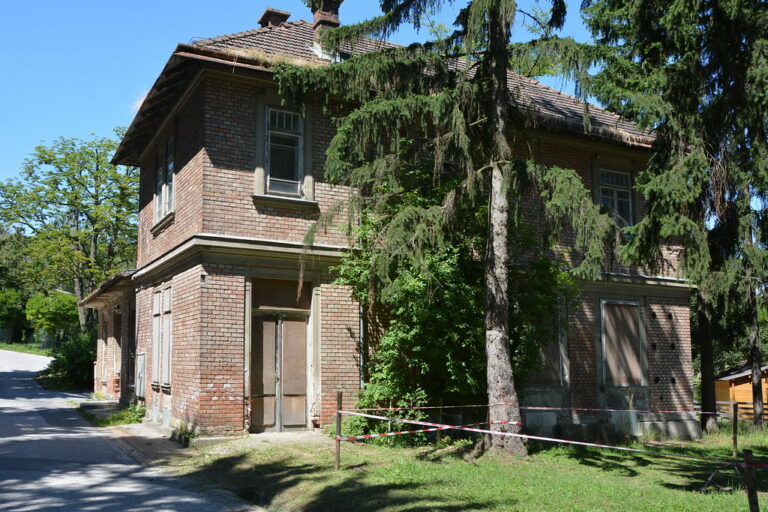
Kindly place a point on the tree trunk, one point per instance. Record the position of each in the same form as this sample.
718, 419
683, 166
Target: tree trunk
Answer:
499, 377
81, 313
754, 328
706, 353
754, 357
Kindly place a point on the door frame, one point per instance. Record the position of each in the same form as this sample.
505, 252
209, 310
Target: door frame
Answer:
281, 313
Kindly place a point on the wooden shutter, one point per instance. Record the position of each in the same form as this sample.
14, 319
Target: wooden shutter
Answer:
622, 345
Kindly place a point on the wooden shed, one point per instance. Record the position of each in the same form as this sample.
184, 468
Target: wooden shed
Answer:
735, 385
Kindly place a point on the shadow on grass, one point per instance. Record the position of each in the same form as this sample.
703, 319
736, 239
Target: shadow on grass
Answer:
685, 474
313, 487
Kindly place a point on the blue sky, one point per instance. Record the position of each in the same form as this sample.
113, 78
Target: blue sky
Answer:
79, 67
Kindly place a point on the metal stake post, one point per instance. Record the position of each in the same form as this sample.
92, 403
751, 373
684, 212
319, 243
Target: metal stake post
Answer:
338, 429
735, 429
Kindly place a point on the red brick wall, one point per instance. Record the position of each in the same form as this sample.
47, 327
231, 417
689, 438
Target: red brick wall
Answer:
670, 330
231, 132
109, 379
185, 353
583, 322
339, 349
191, 158
222, 346
665, 362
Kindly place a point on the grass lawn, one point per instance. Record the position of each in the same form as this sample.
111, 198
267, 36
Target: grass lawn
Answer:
27, 348
299, 475
125, 416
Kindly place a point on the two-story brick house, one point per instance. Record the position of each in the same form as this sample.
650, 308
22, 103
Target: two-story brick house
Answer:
231, 180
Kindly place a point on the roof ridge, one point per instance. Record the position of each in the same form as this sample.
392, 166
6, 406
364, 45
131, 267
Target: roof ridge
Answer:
245, 33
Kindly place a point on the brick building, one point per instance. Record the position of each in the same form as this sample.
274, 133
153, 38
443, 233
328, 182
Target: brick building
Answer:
231, 181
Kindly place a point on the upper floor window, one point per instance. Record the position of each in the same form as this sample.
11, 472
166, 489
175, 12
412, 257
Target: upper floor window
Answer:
284, 153
164, 180
615, 191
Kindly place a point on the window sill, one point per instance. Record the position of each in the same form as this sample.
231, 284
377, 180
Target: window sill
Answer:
285, 201
162, 224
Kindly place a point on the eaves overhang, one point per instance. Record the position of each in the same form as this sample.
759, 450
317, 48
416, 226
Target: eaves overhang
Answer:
113, 290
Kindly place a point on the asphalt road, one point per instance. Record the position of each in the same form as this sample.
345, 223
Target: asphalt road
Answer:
51, 459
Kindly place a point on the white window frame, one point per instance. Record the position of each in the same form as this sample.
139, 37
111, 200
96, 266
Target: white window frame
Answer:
614, 188
165, 170
299, 136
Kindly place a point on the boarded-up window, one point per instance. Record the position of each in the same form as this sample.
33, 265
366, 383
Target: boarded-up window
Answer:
156, 322
166, 337
117, 332
161, 336
140, 372
550, 372
623, 353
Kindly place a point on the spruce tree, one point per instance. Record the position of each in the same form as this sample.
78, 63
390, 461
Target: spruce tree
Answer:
697, 74
449, 101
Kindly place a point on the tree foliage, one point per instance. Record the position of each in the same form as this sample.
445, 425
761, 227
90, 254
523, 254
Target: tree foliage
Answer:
697, 74
77, 213
446, 103
52, 311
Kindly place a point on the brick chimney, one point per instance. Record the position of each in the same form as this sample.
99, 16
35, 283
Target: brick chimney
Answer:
273, 18
326, 16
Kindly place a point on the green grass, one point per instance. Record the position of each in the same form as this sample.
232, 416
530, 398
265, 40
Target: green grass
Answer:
26, 348
130, 414
300, 476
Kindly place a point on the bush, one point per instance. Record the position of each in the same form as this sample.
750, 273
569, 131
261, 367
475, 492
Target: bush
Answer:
72, 366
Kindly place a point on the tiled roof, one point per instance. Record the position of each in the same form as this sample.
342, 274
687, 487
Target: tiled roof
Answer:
295, 39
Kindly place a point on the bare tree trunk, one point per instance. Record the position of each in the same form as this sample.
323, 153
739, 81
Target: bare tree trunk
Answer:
704, 339
754, 357
754, 333
81, 312
499, 377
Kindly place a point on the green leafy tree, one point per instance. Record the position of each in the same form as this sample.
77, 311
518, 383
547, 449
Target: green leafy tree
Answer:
12, 259
78, 212
448, 100
11, 310
697, 74
51, 312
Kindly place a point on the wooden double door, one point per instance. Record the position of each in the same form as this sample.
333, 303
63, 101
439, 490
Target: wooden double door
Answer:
279, 371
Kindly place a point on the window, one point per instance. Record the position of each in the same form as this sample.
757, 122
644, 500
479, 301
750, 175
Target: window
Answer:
117, 334
161, 337
553, 353
616, 195
284, 153
164, 180
624, 361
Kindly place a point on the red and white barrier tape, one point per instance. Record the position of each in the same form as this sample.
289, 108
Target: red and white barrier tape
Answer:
537, 438
531, 408
388, 434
